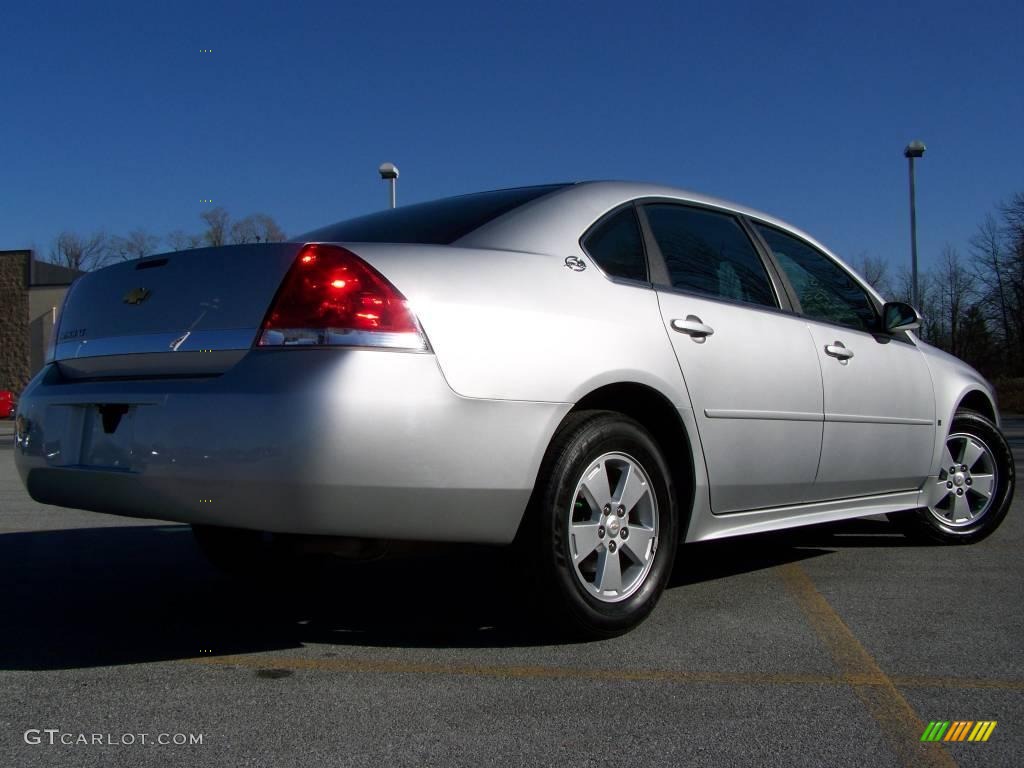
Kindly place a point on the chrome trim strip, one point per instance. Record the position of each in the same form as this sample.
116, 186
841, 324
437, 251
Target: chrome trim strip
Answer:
853, 419
729, 413
194, 341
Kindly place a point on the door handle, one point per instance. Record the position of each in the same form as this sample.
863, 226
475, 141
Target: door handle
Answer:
693, 326
839, 351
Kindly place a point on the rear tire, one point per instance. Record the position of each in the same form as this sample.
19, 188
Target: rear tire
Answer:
974, 488
602, 531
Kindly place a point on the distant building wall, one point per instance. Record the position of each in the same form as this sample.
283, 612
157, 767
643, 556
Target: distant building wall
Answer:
30, 294
43, 303
14, 322
44, 299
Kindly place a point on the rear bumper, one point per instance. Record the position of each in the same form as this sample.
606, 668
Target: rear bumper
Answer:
359, 443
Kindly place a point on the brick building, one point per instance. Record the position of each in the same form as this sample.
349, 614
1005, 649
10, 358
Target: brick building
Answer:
30, 294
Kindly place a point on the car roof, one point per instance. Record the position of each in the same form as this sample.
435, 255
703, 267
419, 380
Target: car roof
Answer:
551, 223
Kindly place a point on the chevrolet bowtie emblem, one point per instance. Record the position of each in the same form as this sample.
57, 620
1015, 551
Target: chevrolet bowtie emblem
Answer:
136, 296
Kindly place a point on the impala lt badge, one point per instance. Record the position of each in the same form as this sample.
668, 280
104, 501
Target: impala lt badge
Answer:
136, 296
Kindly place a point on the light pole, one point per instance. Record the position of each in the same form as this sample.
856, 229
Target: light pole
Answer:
390, 171
913, 150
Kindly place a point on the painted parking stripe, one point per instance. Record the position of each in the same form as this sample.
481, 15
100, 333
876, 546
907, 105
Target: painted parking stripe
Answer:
896, 719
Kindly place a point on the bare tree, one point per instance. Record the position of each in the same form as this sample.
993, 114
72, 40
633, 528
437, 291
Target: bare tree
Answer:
975, 310
977, 346
256, 228
216, 226
135, 245
988, 253
955, 287
79, 252
179, 240
1012, 214
1013, 217
927, 303
875, 271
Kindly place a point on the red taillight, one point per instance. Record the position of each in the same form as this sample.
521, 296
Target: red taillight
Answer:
332, 297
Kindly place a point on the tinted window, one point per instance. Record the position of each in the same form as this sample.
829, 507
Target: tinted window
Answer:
824, 289
709, 252
617, 246
438, 222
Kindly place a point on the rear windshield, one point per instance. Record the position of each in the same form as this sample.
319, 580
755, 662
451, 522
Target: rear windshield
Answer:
438, 222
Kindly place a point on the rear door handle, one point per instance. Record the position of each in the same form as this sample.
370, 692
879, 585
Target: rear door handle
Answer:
839, 351
693, 326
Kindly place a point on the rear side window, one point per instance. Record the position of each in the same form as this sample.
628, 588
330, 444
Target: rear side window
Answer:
617, 246
824, 289
708, 252
438, 222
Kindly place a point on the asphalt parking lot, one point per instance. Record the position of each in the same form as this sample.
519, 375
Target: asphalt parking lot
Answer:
832, 646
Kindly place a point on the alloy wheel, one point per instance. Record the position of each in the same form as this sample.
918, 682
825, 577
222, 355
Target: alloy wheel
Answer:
613, 527
967, 481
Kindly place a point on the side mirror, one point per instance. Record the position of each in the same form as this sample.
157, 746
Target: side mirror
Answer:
897, 316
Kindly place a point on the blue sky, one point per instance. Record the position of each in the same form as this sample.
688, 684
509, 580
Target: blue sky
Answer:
113, 119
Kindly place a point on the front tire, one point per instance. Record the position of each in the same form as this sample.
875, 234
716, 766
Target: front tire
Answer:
604, 525
974, 488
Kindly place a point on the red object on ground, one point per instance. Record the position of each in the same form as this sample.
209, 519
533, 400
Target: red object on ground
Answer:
6, 403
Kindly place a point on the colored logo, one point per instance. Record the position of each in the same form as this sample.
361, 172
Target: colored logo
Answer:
958, 730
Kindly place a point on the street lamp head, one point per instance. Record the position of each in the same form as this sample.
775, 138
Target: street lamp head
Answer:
388, 171
914, 149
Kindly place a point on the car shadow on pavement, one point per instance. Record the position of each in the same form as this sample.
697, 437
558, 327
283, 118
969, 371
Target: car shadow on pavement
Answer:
721, 558
121, 595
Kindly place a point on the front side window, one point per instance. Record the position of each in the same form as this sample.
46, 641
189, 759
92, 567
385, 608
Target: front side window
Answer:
618, 247
825, 290
709, 252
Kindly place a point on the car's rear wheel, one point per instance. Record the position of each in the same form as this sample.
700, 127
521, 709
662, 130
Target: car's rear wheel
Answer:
603, 532
974, 488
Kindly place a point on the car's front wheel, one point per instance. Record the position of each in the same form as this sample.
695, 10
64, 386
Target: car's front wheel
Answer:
974, 488
604, 528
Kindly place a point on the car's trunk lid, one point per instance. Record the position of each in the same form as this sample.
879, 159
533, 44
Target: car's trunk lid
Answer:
184, 313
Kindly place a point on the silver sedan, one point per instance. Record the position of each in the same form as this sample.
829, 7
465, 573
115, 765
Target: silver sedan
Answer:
592, 372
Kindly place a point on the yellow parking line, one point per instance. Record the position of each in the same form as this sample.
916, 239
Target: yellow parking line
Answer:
897, 720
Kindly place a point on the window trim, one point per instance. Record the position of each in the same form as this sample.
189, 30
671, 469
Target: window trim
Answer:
876, 331
776, 268
787, 301
610, 214
783, 302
